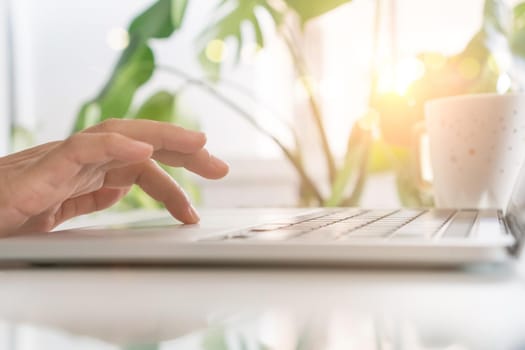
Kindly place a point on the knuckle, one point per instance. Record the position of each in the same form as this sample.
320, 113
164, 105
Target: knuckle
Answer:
109, 139
72, 142
110, 124
45, 224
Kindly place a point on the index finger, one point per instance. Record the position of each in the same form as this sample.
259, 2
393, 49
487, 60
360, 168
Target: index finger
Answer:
162, 136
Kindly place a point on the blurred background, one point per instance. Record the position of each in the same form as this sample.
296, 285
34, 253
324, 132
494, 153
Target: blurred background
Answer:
312, 103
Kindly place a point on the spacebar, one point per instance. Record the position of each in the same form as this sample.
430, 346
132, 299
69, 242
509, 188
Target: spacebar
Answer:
461, 224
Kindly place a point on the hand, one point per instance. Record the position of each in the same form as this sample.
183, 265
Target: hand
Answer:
43, 186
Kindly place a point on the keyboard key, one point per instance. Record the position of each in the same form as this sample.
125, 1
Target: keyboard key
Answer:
269, 227
368, 232
424, 225
461, 224
323, 234
374, 224
489, 226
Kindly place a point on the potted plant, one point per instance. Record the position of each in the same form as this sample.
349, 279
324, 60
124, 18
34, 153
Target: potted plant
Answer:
391, 114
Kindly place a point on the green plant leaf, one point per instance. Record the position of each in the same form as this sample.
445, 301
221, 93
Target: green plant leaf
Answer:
159, 21
517, 38
517, 43
236, 13
383, 156
308, 9
519, 14
178, 10
160, 107
410, 195
137, 198
259, 38
134, 68
233, 15
496, 15
356, 152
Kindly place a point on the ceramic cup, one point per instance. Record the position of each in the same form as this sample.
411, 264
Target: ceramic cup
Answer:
477, 146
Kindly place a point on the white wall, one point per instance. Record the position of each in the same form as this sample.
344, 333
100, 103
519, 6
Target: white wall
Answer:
4, 117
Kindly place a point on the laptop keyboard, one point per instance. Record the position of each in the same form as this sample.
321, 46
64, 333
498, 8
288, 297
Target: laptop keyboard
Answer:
359, 224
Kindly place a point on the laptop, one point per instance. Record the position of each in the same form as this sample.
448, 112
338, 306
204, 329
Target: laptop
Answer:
319, 236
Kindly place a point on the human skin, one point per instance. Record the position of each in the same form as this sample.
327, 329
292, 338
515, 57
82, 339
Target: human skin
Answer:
46, 185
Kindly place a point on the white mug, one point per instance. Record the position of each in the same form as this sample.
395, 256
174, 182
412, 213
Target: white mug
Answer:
477, 146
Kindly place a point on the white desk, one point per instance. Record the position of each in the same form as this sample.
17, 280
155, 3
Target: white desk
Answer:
109, 308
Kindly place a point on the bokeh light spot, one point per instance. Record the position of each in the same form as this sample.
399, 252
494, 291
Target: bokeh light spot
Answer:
117, 38
216, 51
434, 61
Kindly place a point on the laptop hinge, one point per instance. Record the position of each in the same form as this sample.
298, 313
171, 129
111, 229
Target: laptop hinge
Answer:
512, 226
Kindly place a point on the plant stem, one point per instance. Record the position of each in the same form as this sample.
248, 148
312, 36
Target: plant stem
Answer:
354, 197
302, 71
296, 161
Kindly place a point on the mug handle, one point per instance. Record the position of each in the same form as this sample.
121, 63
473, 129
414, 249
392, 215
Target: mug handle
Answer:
419, 131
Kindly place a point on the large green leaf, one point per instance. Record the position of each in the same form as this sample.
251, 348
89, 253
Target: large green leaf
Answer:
160, 20
136, 64
134, 68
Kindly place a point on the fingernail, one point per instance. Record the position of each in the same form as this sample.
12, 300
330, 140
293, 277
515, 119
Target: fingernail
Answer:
199, 134
219, 163
193, 214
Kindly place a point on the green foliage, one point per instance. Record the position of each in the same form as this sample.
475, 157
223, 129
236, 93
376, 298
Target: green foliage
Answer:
384, 156
233, 14
230, 22
517, 37
308, 9
159, 21
508, 23
136, 64
409, 190
134, 68
495, 16
354, 166
160, 107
